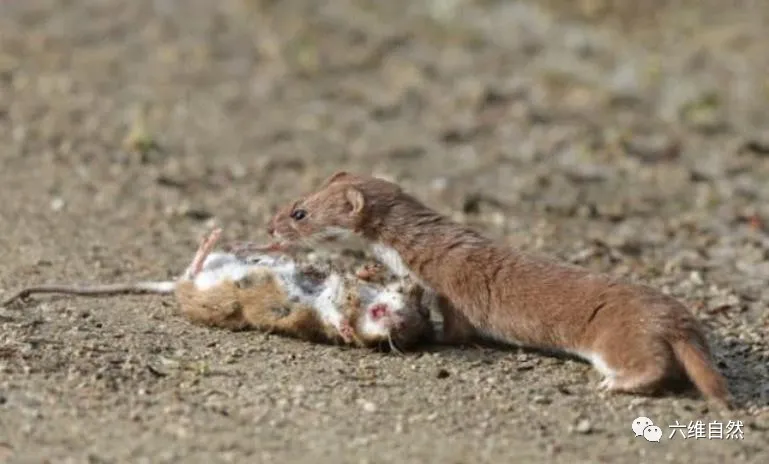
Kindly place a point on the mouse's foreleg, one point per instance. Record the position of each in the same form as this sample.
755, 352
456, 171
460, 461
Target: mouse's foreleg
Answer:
244, 249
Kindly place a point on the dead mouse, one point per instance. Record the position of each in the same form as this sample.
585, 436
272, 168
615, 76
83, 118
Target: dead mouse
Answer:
274, 294
637, 337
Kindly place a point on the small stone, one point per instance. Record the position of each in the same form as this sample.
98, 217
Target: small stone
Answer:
723, 303
758, 145
524, 367
439, 184
539, 399
368, 406
652, 148
197, 214
696, 278
57, 204
583, 426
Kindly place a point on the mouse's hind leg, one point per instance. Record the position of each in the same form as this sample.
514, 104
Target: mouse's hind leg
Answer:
205, 248
641, 371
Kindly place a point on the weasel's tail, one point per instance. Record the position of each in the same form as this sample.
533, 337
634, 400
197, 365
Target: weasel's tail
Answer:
159, 287
699, 367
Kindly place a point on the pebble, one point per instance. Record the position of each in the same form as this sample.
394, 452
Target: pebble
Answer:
368, 406
57, 204
583, 426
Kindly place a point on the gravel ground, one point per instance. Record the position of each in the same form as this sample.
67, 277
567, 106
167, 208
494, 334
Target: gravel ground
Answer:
625, 138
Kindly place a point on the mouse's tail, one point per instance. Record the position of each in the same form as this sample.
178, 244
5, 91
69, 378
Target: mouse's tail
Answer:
156, 287
699, 367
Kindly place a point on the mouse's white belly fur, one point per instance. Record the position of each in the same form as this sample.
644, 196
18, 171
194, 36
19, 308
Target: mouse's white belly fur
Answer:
328, 302
221, 267
209, 278
329, 297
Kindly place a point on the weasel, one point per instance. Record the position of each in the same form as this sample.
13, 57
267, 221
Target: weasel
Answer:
275, 294
637, 337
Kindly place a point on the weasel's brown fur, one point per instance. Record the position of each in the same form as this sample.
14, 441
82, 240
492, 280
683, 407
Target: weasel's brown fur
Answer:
637, 336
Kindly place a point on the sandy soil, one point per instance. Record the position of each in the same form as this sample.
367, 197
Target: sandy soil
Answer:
630, 140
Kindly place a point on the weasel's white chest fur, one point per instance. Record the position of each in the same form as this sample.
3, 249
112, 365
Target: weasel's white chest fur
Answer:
390, 258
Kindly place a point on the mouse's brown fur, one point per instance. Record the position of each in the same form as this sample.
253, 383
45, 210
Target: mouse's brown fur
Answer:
637, 336
260, 300
256, 302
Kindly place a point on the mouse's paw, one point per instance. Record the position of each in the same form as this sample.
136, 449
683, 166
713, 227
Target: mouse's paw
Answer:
244, 250
369, 272
414, 292
239, 248
346, 331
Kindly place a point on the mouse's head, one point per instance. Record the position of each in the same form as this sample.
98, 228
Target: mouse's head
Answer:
394, 318
336, 212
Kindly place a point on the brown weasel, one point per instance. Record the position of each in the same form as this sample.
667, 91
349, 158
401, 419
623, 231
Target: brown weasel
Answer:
637, 337
275, 294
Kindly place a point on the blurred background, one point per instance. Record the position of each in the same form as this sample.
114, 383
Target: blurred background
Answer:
630, 137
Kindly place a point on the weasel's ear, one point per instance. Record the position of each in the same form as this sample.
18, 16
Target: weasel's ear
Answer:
355, 200
335, 177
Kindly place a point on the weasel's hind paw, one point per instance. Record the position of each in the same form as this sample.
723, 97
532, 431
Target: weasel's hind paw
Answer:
607, 384
646, 383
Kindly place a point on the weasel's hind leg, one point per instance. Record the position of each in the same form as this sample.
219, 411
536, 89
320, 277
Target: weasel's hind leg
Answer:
644, 371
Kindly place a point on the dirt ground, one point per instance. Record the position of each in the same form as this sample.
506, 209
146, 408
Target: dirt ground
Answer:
625, 138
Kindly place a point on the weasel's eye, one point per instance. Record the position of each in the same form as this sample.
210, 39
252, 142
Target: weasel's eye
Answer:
298, 214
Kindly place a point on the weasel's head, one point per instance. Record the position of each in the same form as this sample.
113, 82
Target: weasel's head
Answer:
395, 317
334, 213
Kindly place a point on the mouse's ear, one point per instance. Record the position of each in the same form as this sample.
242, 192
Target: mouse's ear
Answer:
355, 200
335, 177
